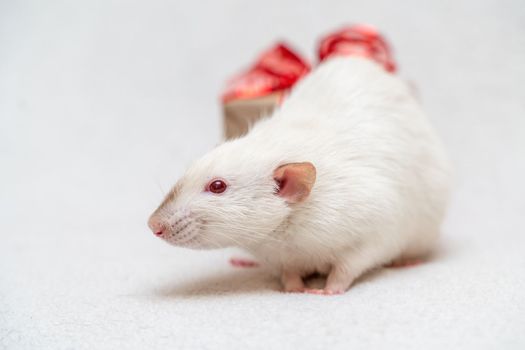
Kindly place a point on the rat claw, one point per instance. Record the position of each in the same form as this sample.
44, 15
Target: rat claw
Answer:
314, 291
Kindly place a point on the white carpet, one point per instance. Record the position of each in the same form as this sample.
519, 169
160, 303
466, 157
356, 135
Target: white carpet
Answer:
102, 105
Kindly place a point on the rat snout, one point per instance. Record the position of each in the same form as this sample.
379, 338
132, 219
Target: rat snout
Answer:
177, 227
157, 225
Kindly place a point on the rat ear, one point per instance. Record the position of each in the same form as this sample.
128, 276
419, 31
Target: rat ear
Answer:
295, 181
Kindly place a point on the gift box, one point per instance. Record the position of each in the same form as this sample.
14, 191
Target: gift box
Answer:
256, 92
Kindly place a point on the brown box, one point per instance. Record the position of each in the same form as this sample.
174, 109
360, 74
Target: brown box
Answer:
240, 115
256, 92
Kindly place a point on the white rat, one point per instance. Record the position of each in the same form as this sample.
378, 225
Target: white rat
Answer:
347, 175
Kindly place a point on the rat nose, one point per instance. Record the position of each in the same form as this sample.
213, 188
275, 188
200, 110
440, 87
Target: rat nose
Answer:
156, 225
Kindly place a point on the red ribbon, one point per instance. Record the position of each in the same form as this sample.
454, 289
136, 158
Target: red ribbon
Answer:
279, 68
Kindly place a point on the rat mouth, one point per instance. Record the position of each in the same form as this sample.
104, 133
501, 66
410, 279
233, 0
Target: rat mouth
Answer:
182, 231
180, 238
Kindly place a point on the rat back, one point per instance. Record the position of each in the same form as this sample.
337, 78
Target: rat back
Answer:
382, 175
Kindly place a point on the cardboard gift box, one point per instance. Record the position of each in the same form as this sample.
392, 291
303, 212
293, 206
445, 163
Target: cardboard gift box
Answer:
256, 92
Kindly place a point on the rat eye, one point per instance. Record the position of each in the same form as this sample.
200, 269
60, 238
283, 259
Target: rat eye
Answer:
216, 186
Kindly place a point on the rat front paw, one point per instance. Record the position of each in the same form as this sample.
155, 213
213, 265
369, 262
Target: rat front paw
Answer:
240, 262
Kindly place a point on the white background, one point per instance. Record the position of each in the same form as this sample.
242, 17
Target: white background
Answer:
104, 103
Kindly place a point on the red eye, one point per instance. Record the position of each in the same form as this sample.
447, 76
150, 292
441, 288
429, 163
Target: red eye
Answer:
217, 186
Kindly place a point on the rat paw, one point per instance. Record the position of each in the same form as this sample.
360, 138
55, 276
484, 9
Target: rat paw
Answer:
245, 263
297, 289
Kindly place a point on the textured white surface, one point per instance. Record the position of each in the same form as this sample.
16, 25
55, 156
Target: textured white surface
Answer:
103, 102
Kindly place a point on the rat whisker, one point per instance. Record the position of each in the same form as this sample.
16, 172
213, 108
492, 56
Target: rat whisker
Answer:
228, 237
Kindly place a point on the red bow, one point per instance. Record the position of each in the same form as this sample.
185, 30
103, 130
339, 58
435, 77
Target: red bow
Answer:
279, 68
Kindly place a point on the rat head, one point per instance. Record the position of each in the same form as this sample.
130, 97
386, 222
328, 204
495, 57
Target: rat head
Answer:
228, 198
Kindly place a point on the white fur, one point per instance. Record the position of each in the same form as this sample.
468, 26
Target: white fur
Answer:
381, 189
